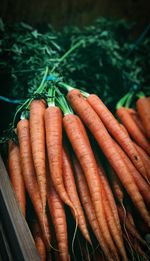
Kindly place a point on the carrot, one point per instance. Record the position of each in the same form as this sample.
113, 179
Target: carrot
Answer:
108, 192
112, 226
145, 158
93, 122
143, 155
137, 120
86, 158
133, 129
143, 108
68, 177
39, 243
116, 186
30, 180
37, 134
140, 182
88, 205
15, 173
53, 125
113, 127
111, 211
58, 216
129, 226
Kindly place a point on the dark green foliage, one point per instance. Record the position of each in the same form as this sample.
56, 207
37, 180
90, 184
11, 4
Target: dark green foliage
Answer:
101, 65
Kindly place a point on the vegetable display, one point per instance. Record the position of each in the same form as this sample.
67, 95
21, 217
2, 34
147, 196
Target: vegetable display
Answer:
81, 173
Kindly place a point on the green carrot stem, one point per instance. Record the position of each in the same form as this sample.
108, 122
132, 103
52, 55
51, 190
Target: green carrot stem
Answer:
122, 101
140, 94
51, 96
63, 104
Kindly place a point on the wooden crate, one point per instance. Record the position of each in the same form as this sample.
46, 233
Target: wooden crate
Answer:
21, 243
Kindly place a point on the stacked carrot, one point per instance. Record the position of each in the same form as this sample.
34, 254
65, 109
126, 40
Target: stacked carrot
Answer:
58, 163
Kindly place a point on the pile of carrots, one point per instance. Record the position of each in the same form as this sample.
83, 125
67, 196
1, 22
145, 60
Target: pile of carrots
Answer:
57, 163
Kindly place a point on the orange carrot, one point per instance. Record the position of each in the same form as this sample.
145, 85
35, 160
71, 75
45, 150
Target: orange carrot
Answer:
37, 133
129, 226
68, 177
111, 212
15, 173
91, 119
30, 178
116, 186
39, 243
133, 129
140, 182
145, 158
58, 216
113, 127
108, 192
143, 108
53, 125
112, 226
86, 158
137, 120
88, 205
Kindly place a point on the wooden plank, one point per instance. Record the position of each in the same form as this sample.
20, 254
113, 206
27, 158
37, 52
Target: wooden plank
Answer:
20, 238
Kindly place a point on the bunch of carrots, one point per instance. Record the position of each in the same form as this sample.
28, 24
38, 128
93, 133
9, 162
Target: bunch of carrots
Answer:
58, 163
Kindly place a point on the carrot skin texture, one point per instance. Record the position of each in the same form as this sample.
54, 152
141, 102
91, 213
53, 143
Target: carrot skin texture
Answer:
37, 134
87, 204
15, 174
112, 226
145, 158
86, 158
130, 227
39, 243
109, 193
133, 129
137, 120
139, 180
30, 181
114, 128
58, 216
53, 125
143, 108
68, 177
111, 211
93, 122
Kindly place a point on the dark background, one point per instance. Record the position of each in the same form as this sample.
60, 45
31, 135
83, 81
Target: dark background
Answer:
79, 12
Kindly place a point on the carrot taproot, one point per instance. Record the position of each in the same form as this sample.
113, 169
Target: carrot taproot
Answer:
87, 204
145, 158
93, 122
113, 127
57, 212
116, 186
15, 174
139, 180
53, 125
39, 243
111, 211
86, 158
108, 191
143, 108
129, 226
29, 176
137, 120
37, 134
69, 182
133, 129
112, 226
